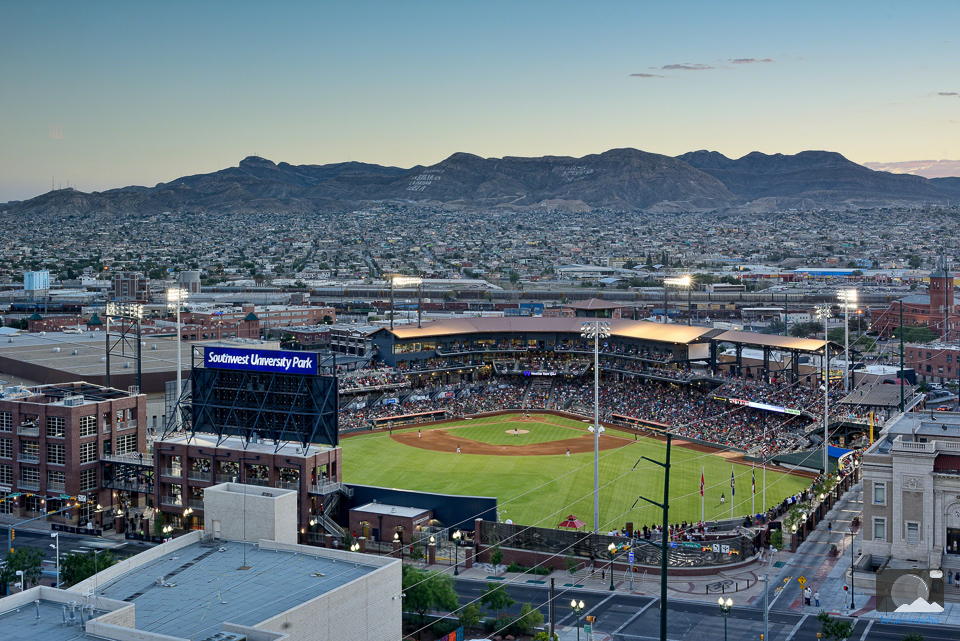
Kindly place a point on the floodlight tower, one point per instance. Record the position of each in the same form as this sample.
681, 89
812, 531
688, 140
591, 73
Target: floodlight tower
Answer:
175, 298
596, 330
402, 281
683, 281
848, 297
824, 312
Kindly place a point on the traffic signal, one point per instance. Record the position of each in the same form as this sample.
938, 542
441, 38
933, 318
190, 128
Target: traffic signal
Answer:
591, 619
13, 534
844, 588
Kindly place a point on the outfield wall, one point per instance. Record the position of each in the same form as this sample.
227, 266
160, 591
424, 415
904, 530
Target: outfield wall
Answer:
455, 512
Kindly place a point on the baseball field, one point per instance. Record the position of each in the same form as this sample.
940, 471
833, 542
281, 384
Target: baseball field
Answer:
541, 470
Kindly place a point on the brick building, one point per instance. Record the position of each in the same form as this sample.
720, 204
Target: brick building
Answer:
53, 439
130, 287
933, 363
934, 310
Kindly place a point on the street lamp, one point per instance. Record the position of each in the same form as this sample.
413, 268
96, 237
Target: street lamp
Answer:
355, 547
683, 281
456, 559
56, 535
725, 609
578, 608
175, 297
596, 330
766, 596
186, 515
612, 549
853, 537
849, 298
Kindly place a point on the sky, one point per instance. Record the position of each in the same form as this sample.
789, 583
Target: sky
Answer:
100, 95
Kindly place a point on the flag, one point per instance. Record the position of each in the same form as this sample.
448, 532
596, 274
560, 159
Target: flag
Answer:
754, 474
733, 489
701, 483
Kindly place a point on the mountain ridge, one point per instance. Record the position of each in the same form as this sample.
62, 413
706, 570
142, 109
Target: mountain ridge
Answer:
620, 178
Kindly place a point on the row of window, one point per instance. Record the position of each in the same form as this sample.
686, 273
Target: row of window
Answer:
880, 530
57, 452
56, 425
930, 355
56, 479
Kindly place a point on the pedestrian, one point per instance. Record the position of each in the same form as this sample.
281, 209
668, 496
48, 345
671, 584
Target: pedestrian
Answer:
722, 498
829, 526
816, 598
568, 452
806, 596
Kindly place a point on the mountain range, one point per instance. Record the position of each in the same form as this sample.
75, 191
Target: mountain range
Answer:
620, 179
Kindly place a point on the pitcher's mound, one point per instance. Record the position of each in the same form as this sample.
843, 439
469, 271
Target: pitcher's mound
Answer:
517, 432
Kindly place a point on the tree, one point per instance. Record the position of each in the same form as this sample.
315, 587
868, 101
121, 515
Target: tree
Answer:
913, 636
470, 616
496, 598
514, 277
26, 560
834, 628
75, 567
158, 523
776, 539
529, 619
425, 591
915, 334
496, 555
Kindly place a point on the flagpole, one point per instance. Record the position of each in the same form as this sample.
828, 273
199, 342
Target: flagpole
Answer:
764, 464
733, 492
753, 488
702, 469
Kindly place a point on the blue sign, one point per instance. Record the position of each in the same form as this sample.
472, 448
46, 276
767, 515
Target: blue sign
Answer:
630, 556
261, 360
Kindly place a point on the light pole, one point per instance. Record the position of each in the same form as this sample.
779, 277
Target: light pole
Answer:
456, 545
848, 297
725, 609
578, 608
596, 330
355, 547
823, 311
186, 515
683, 281
766, 595
401, 281
852, 539
612, 549
56, 535
176, 296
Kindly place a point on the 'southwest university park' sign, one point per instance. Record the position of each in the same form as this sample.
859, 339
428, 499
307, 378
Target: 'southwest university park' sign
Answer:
261, 360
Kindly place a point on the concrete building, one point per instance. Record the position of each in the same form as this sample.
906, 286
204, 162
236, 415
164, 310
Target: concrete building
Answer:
189, 281
911, 492
228, 583
53, 439
130, 287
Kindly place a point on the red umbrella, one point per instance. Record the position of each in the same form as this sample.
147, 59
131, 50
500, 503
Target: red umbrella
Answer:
572, 522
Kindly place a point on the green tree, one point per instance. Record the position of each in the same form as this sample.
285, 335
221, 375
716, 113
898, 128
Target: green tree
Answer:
158, 523
425, 591
529, 619
514, 277
913, 636
914, 262
76, 567
915, 334
776, 539
496, 598
26, 560
496, 555
470, 616
834, 628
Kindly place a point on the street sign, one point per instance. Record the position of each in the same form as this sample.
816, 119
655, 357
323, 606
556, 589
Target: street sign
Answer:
630, 556
801, 581
586, 628
82, 498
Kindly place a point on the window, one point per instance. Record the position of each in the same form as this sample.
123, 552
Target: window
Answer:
56, 454
949, 358
55, 426
88, 480
928, 368
30, 476
6, 448
88, 425
6, 474
30, 450
6, 422
879, 529
913, 533
88, 452
126, 443
879, 493
55, 480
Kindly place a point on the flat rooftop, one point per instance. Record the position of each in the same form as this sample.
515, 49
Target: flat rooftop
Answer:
22, 623
203, 586
237, 443
386, 510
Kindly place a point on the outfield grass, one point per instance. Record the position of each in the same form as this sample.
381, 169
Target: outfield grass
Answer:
543, 490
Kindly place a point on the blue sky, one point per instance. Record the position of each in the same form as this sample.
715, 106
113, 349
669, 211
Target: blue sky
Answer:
106, 94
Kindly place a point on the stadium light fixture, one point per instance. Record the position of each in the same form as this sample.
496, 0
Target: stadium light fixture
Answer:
596, 330
398, 280
849, 299
824, 312
175, 298
683, 281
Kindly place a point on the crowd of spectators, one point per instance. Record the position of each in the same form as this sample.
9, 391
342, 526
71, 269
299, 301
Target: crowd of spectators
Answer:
370, 379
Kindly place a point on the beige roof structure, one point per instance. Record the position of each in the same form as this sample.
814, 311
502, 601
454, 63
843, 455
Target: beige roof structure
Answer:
593, 304
776, 342
679, 334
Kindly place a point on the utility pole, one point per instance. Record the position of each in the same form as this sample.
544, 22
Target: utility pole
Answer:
665, 537
902, 402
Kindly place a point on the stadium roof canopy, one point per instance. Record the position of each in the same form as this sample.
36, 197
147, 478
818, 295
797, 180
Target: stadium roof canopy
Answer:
773, 341
643, 330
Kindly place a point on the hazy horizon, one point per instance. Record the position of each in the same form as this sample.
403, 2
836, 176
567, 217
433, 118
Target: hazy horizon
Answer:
108, 95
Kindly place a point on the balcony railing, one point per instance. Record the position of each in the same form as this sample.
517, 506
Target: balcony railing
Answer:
28, 485
56, 486
25, 457
289, 485
260, 482
136, 458
28, 430
106, 429
227, 478
197, 475
174, 501
195, 504
129, 486
171, 471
